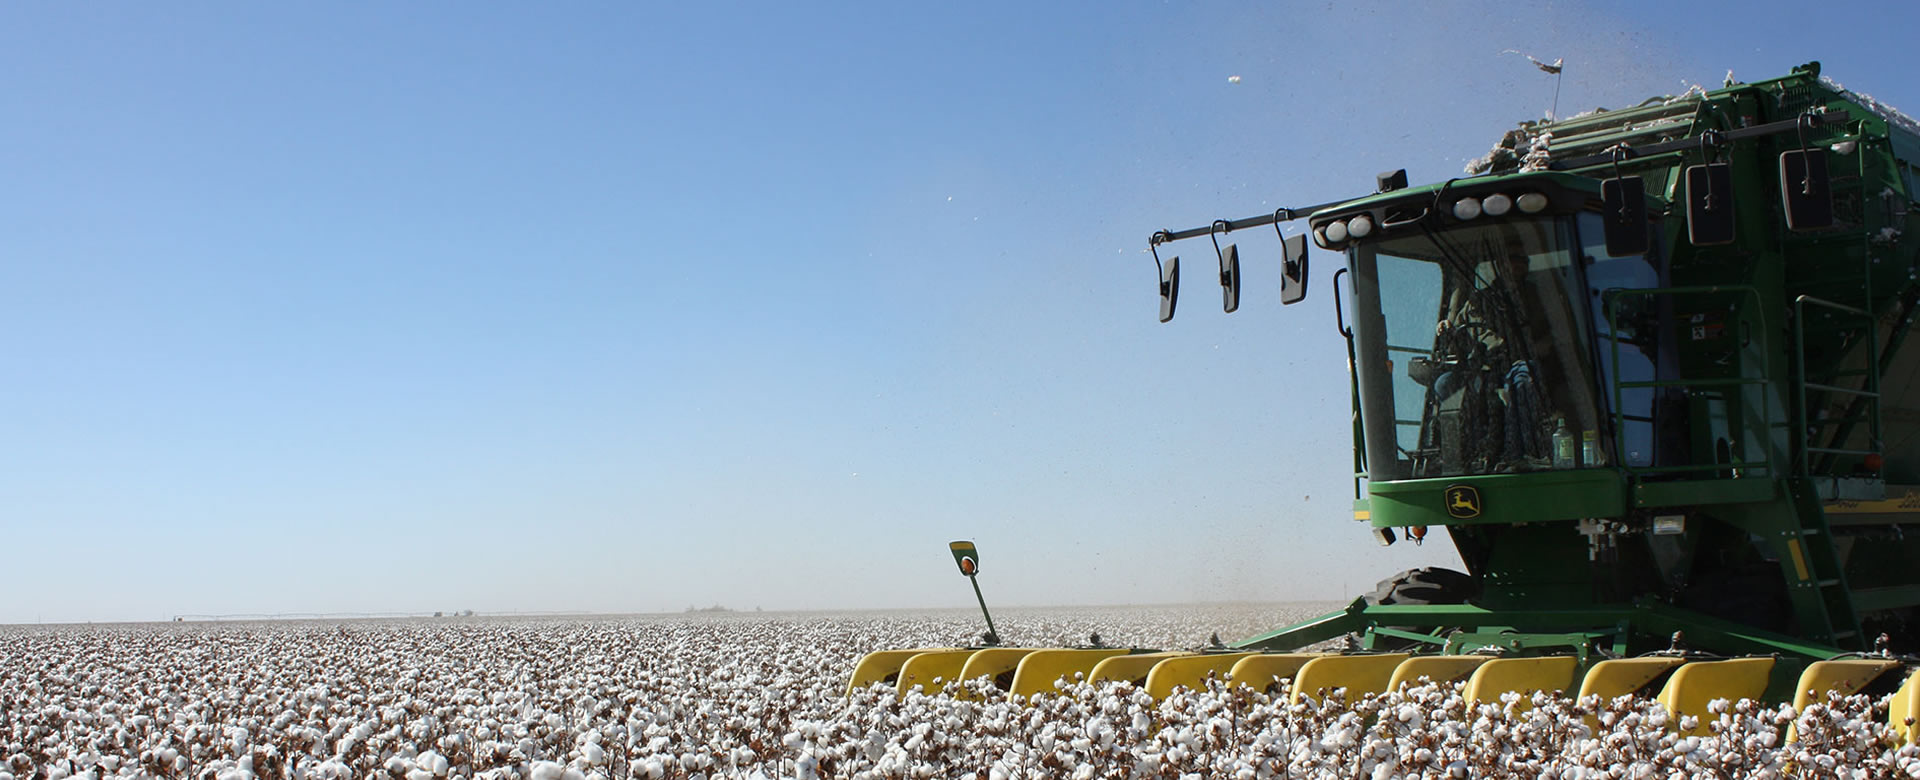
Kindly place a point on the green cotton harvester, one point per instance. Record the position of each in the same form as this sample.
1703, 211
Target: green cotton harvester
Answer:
1649, 370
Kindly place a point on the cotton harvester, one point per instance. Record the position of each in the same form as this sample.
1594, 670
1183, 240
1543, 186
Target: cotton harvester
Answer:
1648, 369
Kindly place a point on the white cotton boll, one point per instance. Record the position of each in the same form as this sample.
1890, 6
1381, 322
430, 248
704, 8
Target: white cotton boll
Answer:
593, 753
433, 762
546, 770
420, 774
1409, 714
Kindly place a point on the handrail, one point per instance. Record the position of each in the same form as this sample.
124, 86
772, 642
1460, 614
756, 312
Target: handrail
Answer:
1611, 298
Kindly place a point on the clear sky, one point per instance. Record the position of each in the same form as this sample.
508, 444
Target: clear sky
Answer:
633, 306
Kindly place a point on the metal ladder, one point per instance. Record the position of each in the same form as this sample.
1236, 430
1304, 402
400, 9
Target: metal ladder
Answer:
1816, 583
1815, 460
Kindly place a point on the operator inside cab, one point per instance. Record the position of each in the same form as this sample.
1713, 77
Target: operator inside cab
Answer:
1485, 366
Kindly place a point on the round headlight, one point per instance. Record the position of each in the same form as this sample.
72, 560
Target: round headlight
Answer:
1360, 226
1336, 232
1532, 202
1466, 208
1497, 205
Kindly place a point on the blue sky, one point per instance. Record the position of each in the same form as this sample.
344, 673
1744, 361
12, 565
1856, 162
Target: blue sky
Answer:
626, 307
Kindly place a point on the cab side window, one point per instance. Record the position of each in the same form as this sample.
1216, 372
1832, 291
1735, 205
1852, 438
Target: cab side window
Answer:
1627, 334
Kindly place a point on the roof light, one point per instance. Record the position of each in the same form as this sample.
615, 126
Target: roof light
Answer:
1466, 208
1360, 226
1532, 202
1497, 205
1336, 231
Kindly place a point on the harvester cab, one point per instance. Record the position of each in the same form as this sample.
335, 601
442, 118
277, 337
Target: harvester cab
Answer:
1648, 371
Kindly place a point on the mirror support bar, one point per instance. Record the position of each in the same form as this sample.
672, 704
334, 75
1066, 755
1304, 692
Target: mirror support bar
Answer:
1277, 217
1681, 144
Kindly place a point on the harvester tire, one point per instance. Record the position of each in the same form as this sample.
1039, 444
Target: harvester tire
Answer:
1425, 585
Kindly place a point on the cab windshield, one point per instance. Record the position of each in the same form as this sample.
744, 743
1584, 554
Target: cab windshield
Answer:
1471, 352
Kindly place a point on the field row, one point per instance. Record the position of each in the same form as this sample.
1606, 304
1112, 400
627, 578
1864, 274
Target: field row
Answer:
764, 696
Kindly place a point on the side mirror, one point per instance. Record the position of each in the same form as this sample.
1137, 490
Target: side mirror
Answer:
1293, 269
1230, 278
1169, 288
1804, 189
1624, 206
1710, 204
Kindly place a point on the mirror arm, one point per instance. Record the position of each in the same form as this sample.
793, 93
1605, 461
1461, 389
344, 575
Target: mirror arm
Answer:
1153, 245
1278, 216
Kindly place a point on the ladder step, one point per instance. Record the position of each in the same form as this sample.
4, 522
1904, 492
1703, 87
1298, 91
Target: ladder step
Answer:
1837, 421
1843, 390
1829, 583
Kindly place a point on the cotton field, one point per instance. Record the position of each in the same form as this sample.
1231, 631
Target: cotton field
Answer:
750, 695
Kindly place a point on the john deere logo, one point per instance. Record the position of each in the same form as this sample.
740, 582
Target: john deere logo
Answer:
1463, 501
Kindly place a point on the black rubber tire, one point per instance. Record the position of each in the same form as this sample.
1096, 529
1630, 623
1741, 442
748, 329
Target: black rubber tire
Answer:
1426, 585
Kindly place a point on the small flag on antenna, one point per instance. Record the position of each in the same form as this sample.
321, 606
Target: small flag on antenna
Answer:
1553, 67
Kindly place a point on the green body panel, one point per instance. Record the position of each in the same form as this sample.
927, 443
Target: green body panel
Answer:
1652, 495
1504, 499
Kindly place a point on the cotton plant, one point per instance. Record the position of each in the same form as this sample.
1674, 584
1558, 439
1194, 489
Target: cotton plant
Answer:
749, 697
